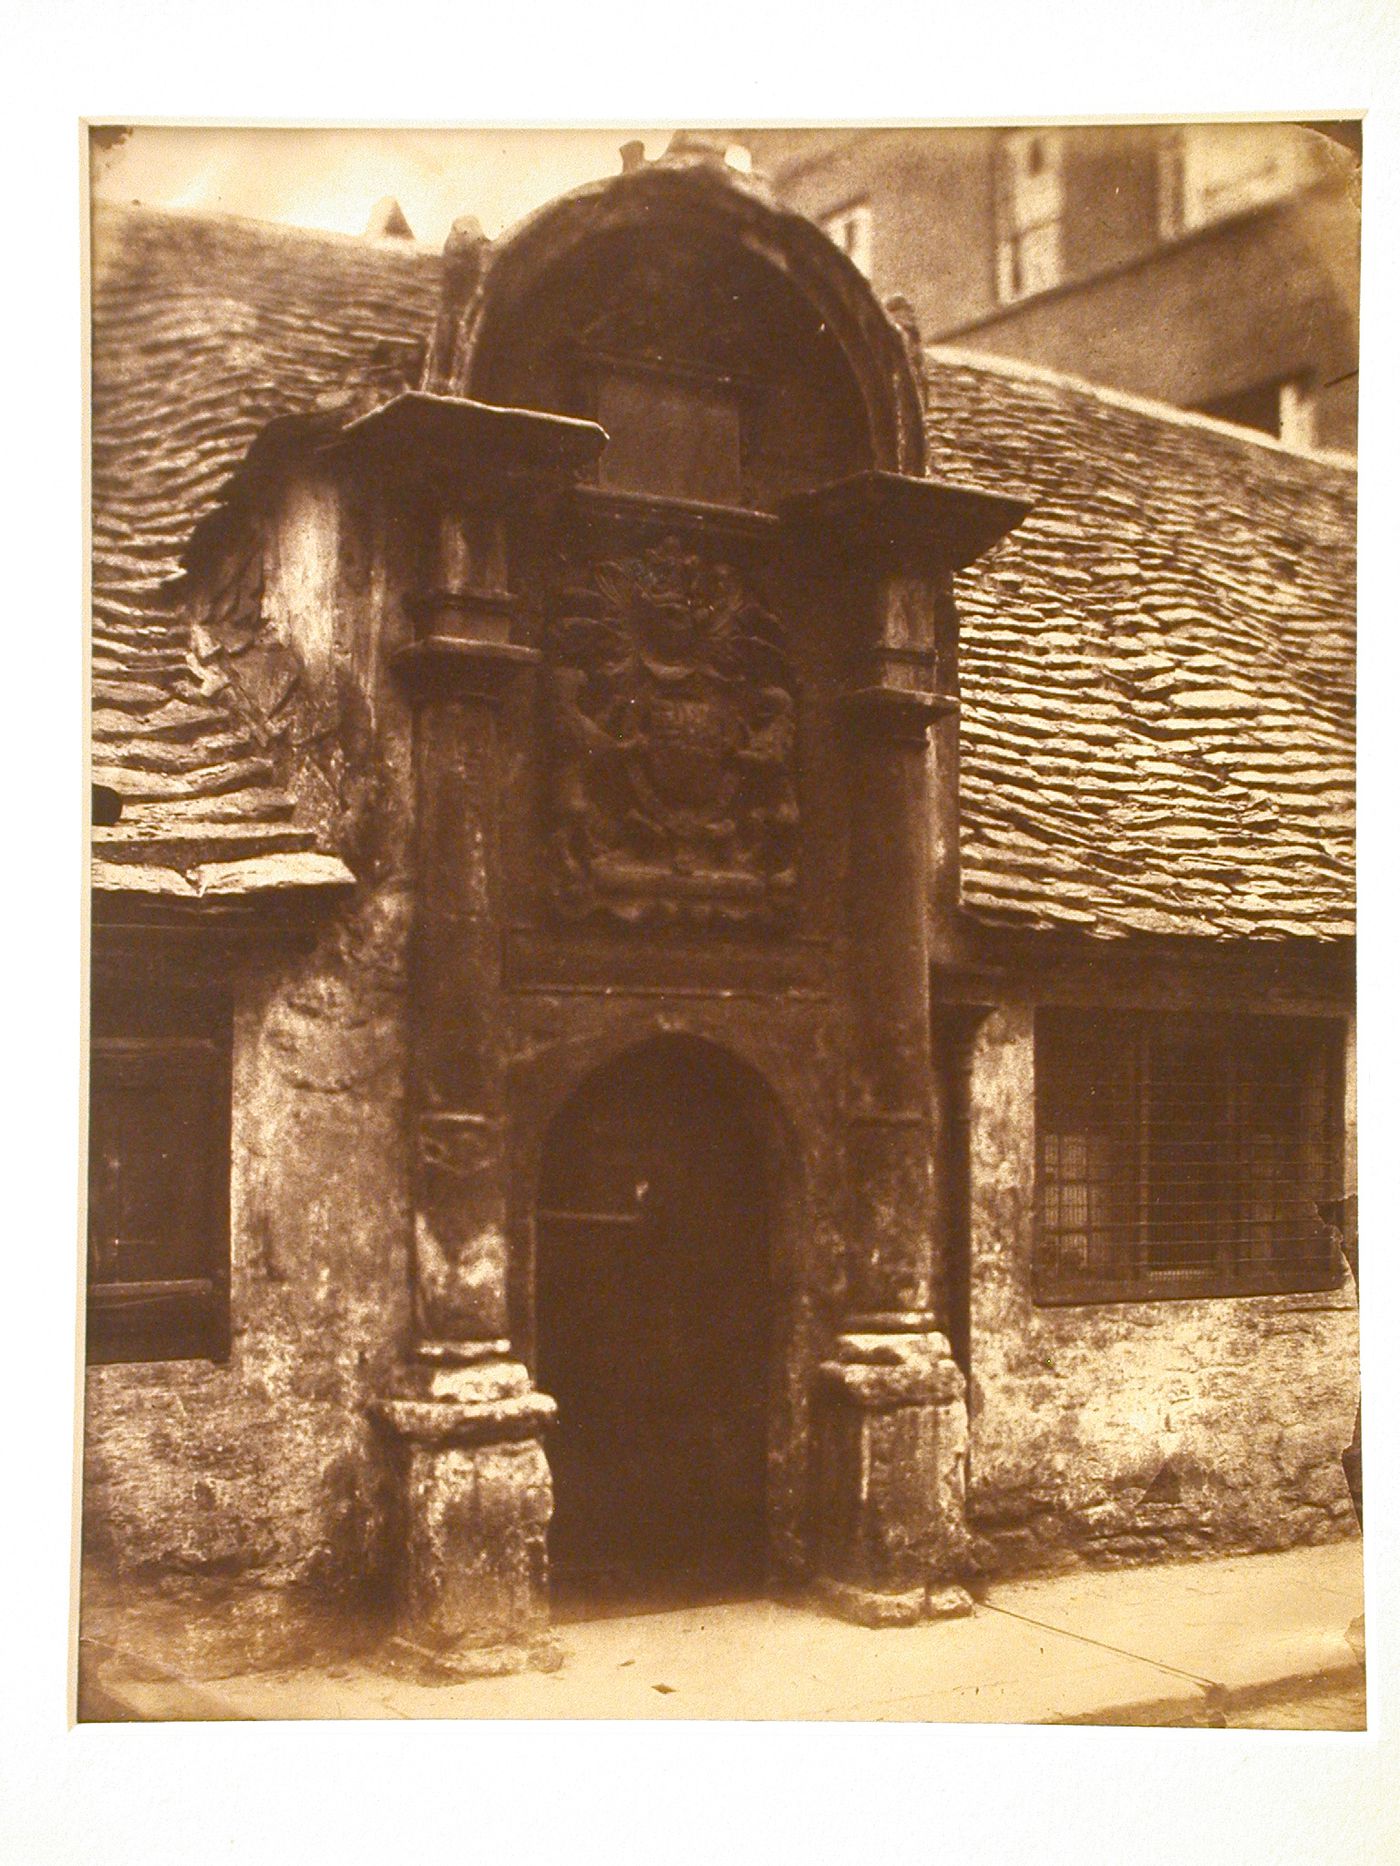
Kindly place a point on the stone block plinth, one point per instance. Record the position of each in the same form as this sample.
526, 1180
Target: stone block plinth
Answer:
892, 1446
473, 1585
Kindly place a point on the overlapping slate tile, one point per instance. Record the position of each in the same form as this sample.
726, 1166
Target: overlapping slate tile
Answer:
204, 329
1157, 666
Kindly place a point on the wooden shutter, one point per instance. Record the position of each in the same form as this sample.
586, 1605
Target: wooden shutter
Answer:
158, 1191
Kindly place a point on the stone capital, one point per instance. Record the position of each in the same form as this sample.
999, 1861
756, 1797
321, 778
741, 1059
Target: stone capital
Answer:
446, 667
879, 1372
423, 435
436, 1422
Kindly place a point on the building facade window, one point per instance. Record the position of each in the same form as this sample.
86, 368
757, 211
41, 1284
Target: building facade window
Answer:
1209, 171
1030, 212
1297, 413
1178, 1156
1171, 183
158, 1181
853, 230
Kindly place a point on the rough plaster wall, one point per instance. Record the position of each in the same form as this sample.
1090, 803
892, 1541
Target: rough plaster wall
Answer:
1239, 1409
931, 201
302, 575
267, 1468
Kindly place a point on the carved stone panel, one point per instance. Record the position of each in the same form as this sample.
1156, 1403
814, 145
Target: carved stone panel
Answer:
671, 738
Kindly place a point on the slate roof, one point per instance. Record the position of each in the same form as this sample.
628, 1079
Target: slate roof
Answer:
1157, 665
204, 329
1157, 724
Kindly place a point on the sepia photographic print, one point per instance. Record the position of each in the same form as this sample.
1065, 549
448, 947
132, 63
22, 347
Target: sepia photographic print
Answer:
721, 1066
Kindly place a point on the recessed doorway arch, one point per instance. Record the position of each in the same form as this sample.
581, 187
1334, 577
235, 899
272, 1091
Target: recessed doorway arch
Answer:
657, 1321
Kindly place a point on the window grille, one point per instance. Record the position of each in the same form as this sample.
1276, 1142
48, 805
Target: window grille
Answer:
1182, 1157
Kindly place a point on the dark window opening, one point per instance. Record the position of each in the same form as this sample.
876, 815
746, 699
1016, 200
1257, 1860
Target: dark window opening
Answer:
1030, 206
158, 1184
1254, 407
1183, 1158
853, 230
1285, 408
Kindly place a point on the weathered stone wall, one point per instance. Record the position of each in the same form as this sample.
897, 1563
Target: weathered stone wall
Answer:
1125, 1431
267, 1469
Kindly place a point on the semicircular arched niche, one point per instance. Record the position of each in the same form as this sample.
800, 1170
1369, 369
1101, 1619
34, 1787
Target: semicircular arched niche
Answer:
734, 355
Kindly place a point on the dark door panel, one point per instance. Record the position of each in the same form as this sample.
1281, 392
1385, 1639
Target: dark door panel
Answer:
653, 1323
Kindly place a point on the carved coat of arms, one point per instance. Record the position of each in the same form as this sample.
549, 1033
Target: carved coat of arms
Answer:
673, 741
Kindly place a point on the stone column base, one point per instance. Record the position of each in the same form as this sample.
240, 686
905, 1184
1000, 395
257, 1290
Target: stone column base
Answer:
865, 1607
892, 1449
473, 1581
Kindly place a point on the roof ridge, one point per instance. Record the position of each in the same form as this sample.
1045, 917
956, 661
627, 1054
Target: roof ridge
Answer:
278, 229
1167, 412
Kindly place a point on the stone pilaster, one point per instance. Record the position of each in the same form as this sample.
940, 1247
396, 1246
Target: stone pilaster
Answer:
468, 1426
461, 667
891, 1118
891, 1410
475, 1480
890, 1414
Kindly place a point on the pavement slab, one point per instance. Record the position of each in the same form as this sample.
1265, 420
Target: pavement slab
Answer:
1240, 1623
759, 1660
1187, 1642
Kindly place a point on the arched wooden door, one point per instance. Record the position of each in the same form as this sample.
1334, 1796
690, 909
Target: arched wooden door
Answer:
653, 1331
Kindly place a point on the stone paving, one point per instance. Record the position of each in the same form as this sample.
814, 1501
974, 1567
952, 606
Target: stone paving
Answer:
1261, 1641
1324, 1707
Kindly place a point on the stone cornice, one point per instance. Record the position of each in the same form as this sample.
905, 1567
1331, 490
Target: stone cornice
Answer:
894, 522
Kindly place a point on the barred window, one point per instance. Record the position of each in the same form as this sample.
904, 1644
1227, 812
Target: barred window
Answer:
1184, 1157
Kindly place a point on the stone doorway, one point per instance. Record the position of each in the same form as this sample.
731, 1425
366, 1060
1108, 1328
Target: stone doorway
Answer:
654, 1324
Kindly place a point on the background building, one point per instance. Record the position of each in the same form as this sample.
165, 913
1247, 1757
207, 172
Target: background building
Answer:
1213, 266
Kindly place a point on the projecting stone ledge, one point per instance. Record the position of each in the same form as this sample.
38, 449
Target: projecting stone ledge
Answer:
291, 872
449, 1422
